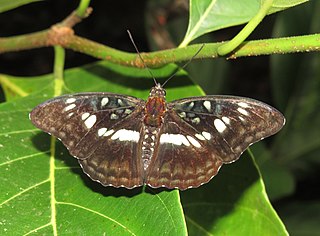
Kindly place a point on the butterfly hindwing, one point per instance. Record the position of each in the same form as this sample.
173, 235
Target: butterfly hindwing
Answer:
94, 127
181, 160
116, 161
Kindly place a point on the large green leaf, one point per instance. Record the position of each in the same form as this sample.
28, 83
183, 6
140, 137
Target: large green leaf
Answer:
45, 191
210, 15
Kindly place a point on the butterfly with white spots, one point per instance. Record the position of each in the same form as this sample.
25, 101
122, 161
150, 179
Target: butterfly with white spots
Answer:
123, 141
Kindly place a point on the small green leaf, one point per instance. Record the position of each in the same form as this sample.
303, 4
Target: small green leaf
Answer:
280, 5
210, 15
6, 5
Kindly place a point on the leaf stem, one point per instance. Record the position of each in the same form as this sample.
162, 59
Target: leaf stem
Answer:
247, 30
8, 84
58, 69
82, 8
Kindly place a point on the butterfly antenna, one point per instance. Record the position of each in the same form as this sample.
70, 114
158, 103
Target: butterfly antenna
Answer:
144, 64
184, 66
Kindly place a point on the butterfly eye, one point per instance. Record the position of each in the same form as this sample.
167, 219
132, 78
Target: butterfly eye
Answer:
152, 91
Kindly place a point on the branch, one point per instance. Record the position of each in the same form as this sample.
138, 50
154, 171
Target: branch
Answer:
62, 34
58, 34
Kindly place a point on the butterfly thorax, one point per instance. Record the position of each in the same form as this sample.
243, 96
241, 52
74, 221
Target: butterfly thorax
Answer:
155, 107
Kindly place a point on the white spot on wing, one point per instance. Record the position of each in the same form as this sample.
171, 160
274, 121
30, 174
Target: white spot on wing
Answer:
104, 101
243, 111
126, 135
206, 135
109, 132
196, 120
176, 139
120, 102
220, 126
191, 104
207, 105
102, 131
182, 114
243, 104
199, 136
85, 116
226, 120
90, 121
70, 100
71, 106
193, 141
127, 111
114, 116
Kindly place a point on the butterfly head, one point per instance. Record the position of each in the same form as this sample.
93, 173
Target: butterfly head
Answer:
157, 91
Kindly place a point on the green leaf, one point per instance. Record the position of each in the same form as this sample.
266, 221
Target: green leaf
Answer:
6, 5
278, 178
234, 203
280, 5
210, 15
17, 87
44, 190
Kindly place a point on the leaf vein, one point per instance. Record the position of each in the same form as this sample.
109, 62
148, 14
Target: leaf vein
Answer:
24, 191
169, 213
198, 226
198, 24
36, 229
22, 158
96, 212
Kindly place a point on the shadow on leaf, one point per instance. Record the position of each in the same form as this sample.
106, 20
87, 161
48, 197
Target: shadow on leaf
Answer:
205, 206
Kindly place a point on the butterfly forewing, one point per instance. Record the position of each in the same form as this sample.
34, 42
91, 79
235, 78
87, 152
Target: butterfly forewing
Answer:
228, 124
101, 130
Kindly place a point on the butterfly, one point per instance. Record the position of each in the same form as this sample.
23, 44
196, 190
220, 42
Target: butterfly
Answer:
124, 141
